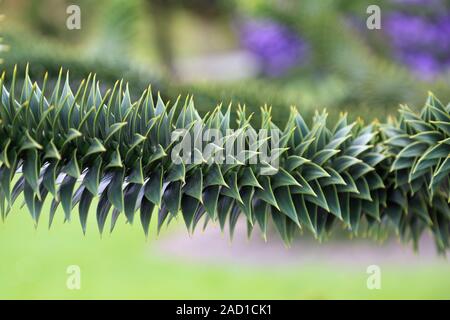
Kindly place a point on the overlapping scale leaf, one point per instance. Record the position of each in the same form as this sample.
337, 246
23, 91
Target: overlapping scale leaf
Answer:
418, 145
73, 145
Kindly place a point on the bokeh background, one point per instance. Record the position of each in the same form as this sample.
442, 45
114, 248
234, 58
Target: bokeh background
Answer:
308, 53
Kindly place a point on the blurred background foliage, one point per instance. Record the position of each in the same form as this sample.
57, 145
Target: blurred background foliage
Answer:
312, 54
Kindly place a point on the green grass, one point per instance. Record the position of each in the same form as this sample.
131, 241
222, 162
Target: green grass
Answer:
33, 264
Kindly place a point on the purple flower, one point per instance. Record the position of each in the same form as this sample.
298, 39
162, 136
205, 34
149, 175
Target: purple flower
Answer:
419, 39
418, 2
276, 47
424, 64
